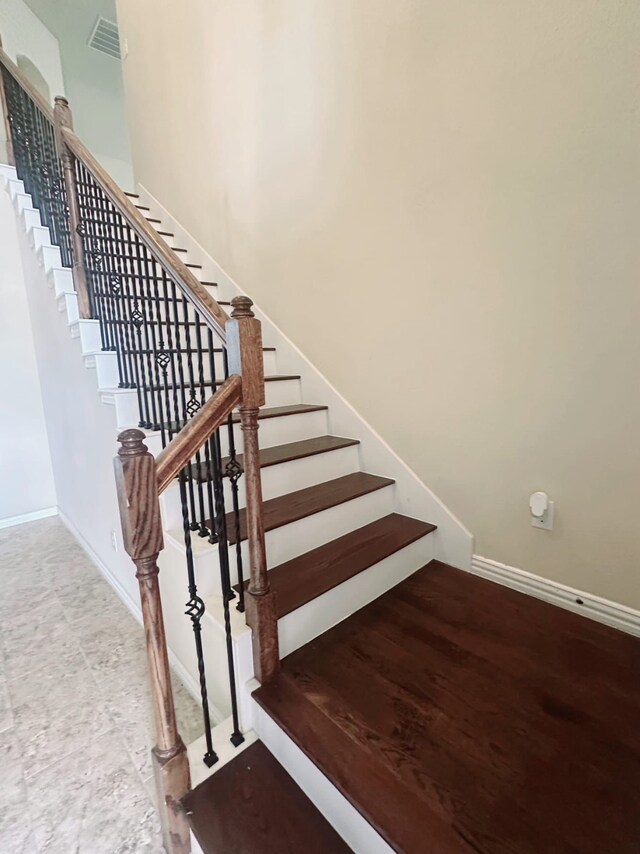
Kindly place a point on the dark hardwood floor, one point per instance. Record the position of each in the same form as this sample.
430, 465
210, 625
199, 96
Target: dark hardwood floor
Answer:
460, 716
252, 806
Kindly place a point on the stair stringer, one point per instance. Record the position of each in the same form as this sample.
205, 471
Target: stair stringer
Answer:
453, 542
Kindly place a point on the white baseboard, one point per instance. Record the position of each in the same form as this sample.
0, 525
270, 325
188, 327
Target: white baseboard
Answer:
604, 611
176, 665
10, 521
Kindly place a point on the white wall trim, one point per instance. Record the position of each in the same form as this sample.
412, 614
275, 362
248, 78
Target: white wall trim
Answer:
176, 665
10, 521
602, 610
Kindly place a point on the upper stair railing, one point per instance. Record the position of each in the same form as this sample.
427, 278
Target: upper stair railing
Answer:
195, 373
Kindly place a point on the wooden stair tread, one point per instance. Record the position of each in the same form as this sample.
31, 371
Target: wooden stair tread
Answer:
290, 409
455, 710
252, 806
298, 450
286, 453
268, 412
384, 801
313, 499
308, 576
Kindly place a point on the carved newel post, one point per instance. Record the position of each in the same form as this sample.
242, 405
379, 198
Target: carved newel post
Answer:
244, 342
62, 118
142, 533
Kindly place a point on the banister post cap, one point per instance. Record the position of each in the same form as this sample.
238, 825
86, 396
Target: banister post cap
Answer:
60, 99
242, 307
132, 443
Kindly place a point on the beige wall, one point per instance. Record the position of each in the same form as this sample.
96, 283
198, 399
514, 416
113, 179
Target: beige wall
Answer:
438, 202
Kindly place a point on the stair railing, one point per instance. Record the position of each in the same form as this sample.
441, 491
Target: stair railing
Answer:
194, 372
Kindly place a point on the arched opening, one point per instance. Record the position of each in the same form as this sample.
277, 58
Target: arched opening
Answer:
34, 76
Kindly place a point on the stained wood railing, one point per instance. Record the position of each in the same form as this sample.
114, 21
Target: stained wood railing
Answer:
122, 269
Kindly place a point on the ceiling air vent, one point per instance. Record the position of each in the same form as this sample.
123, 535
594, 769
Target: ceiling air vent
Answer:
105, 38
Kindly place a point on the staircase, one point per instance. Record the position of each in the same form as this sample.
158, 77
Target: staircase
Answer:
352, 631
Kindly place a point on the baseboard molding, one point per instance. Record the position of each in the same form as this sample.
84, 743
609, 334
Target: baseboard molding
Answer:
602, 610
178, 668
10, 521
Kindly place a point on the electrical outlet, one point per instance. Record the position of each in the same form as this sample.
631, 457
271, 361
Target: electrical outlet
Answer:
546, 520
114, 541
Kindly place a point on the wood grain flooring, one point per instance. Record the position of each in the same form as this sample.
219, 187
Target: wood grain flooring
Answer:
461, 716
252, 806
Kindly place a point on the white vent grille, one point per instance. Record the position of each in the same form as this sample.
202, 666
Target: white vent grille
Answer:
105, 38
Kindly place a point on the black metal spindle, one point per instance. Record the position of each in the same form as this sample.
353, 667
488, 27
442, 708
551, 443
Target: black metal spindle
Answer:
195, 610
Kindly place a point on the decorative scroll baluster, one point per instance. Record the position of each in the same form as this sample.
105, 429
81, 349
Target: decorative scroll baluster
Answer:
142, 532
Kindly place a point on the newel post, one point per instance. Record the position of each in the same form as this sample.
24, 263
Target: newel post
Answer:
244, 341
62, 118
5, 114
135, 471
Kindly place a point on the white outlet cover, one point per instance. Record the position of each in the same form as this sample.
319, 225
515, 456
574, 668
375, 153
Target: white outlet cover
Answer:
546, 520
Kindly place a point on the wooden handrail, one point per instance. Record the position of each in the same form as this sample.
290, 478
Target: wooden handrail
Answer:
25, 83
215, 316
195, 433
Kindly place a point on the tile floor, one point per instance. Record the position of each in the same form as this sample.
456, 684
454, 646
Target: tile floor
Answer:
75, 772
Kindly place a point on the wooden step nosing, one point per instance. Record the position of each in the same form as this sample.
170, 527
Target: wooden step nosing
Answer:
347, 443
374, 483
322, 766
336, 580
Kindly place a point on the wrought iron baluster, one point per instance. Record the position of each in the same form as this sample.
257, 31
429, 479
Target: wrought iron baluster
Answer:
185, 414
227, 591
193, 405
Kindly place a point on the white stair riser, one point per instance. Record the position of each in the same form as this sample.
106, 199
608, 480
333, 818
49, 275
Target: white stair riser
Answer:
284, 429
16, 187
273, 431
126, 406
128, 414
40, 236
7, 173
347, 821
88, 331
306, 534
61, 279
31, 219
22, 202
288, 477
49, 257
277, 480
291, 540
106, 366
68, 302
314, 618
288, 392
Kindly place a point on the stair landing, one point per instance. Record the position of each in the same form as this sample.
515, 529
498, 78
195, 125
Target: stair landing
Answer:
460, 716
